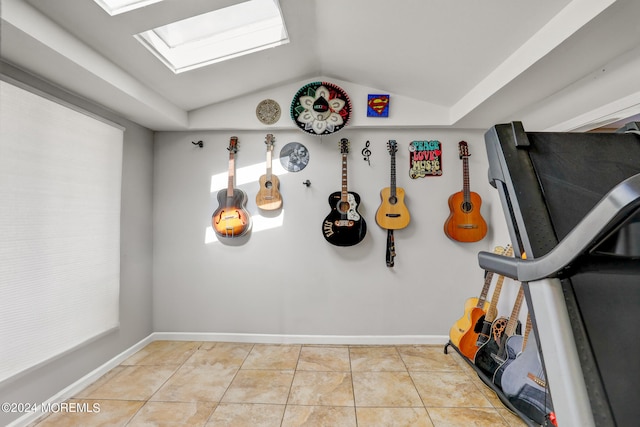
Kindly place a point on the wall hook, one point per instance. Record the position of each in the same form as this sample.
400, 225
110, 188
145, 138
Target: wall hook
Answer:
307, 183
199, 143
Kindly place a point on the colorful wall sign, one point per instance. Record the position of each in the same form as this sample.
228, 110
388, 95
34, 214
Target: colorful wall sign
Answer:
425, 159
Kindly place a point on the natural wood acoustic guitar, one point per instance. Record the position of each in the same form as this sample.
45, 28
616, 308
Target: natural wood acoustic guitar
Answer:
392, 213
269, 197
231, 219
465, 223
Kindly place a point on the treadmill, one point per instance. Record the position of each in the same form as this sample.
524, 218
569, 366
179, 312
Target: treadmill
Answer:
572, 205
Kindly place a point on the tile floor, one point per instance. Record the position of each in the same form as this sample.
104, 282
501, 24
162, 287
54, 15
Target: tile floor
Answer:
186, 383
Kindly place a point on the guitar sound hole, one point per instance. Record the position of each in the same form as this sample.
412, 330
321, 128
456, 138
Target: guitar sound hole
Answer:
393, 200
343, 207
268, 185
466, 207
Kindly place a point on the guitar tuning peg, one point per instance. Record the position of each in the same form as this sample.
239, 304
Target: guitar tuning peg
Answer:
307, 183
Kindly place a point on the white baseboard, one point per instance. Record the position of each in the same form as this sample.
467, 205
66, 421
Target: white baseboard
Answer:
91, 377
303, 339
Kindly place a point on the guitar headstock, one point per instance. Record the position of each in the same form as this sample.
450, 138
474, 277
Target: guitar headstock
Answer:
269, 141
233, 144
392, 146
344, 146
464, 149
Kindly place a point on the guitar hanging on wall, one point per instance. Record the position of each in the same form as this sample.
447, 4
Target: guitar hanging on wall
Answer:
269, 197
231, 219
465, 223
392, 213
344, 226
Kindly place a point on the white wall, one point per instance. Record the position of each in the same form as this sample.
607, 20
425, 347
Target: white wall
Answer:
289, 280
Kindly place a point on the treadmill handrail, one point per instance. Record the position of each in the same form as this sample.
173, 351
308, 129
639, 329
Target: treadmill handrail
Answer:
598, 222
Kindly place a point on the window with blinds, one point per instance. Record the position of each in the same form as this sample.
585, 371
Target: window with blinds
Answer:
60, 184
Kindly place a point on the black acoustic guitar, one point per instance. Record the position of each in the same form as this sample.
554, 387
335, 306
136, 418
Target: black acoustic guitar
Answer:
496, 351
344, 226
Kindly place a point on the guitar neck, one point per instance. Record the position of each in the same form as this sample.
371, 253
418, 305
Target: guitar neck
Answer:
344, 193
231, 174
393, 174
269, 169
527, 331
493, 307
466, 187
485, 290
510, 329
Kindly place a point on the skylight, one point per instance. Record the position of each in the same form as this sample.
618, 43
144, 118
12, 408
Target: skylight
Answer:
115, 7
216, 36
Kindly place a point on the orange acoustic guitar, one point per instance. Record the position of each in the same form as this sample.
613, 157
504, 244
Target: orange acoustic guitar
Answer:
465, 223
474, 309
269, 197
231, 219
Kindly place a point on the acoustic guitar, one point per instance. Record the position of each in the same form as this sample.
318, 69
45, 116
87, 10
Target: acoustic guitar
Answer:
500, 347
269, 197
392, 213
465, 223
523, 380
469, 327
344, 226
231, 219
484, 324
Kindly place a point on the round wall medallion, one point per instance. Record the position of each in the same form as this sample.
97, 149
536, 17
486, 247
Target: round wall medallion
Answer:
321, 108
294, 157
268, 111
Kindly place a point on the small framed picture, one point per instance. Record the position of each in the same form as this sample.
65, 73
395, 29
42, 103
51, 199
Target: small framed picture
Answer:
378, 105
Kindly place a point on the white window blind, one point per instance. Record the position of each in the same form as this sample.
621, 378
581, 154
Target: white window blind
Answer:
60, 184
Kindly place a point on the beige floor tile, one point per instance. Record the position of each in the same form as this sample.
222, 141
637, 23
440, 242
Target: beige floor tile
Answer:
108, 413
383, 358
393, 417
466, 417
221, 355
321, 388
266, 356
448, 389
324, 359
191, 383
378, 389
427, 358
163, 353
319, 416
246, 415
512, 419
173, 414
133, 383
259, 386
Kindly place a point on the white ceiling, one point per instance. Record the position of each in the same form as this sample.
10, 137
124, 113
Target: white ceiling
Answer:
553, 64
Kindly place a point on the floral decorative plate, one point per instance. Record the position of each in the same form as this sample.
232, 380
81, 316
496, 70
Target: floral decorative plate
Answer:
268, 111
321, 108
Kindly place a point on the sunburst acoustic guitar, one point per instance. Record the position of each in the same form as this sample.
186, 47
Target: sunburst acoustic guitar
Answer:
344, 226
465, 223
269, 197
231, 219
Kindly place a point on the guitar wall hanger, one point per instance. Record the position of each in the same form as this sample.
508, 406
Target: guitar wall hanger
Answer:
199, 143
307, 183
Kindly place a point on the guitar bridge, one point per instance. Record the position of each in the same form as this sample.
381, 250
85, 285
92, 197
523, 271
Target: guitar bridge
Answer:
344, 223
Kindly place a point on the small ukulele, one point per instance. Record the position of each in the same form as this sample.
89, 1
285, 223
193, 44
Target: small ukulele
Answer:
344, 226
465, 223
269, 197
231, 219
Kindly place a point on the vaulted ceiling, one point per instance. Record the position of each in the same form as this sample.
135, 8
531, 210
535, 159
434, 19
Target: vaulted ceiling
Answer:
553, 64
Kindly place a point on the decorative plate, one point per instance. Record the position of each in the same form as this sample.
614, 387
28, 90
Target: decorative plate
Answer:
321, 108
268, 111
294, 157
